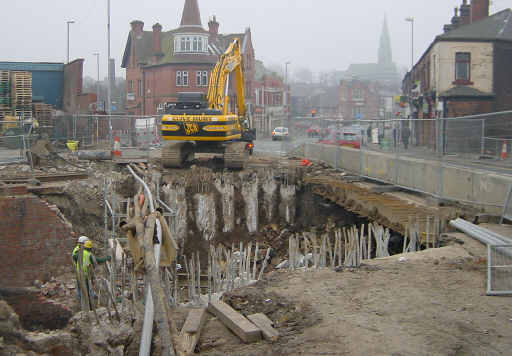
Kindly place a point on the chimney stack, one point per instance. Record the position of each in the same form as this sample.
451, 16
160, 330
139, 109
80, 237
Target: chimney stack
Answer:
157, 47
479, 10
465, 13
213, 26
455, 19
137, 27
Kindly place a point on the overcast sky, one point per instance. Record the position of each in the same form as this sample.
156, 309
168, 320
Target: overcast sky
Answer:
319, 34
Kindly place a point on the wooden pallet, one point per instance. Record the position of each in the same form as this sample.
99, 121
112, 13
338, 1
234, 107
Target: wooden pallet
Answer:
4, 113
43, 113
4, 75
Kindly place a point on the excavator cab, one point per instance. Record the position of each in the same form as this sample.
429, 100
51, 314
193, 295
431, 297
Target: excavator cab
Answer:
199, 123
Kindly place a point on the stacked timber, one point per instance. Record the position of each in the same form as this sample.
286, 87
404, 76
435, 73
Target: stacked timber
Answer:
5, 94
21, 94
42, 113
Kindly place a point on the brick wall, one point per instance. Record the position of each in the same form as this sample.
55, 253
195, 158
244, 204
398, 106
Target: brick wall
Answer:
160, 84
72, 84
35, 311
457, 108
34, 242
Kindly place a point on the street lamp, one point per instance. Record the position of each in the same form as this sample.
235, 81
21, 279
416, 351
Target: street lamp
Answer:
68, 23
97, 81
411, 20
109, 87
286, 81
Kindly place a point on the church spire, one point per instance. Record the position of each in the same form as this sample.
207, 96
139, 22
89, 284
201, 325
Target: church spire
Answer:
385, 53
191, 16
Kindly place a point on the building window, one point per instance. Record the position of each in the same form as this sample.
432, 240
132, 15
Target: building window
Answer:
202, 78
141, 92
357, 112
130, 85
462, 66
190, 44
357, 93
181, 78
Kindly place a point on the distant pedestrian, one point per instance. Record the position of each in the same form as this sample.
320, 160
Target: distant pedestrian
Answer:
406, 134
369, 134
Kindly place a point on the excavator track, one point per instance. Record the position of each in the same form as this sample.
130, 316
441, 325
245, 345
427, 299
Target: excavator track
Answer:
235, 155
175, 154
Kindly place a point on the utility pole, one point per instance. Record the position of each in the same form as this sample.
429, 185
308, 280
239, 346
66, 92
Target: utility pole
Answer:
68, 23
97, 81
411, 20
109, 85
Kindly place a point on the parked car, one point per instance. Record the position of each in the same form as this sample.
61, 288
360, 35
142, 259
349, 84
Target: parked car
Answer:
280, 133
347, 138
313, 131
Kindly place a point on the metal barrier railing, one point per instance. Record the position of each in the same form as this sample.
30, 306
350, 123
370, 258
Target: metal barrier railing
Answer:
499, 270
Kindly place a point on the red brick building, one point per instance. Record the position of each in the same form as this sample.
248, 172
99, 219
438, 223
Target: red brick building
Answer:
270, 102
359, 100
160, 64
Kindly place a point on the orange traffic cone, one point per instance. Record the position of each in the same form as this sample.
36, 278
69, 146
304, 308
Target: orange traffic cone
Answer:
504, 151
117, 146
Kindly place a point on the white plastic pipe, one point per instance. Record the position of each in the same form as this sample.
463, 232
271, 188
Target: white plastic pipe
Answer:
147, 327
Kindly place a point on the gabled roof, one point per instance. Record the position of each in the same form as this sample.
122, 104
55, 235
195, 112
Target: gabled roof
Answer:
220, 43
463, 91
373, 71
143, 46
144, 49
495, 27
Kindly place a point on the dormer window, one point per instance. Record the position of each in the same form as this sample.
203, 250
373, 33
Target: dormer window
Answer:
184, 43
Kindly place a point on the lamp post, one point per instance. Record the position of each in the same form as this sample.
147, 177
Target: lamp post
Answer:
286, 82
411, 20
68, 23
109, 91
97, 81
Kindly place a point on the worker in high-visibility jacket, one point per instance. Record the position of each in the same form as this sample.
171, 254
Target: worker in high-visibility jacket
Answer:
88, 261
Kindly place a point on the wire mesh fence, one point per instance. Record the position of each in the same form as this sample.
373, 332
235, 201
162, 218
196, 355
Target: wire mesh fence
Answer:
12, 149
499, 273
420, 154
487, 136
140, 133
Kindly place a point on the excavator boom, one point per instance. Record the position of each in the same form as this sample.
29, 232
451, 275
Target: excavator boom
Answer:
199, 123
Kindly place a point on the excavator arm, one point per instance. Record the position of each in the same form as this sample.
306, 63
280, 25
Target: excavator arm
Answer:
230, 61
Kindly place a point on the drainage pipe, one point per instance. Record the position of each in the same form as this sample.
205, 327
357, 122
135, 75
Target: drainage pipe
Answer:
483, 235
147, 328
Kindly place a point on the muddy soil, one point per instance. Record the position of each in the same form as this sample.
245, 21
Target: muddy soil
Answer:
431, 303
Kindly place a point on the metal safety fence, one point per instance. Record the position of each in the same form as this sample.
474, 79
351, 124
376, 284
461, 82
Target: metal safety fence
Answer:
141, 133
499, 270
487, 136
95, 130
447, 158
12, 149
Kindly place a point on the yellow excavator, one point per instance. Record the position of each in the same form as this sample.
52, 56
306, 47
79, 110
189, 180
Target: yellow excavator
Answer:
199, 123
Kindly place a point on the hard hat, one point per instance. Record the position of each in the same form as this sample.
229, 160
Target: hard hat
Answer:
88, 244
83, 239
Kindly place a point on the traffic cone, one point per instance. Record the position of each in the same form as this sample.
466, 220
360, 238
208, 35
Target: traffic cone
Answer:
504, 151
117, 146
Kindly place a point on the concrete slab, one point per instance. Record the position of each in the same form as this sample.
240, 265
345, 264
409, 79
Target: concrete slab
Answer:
235, 321
265, 324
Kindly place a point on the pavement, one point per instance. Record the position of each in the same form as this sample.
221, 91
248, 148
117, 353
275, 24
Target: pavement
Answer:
461, 160
280, 148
